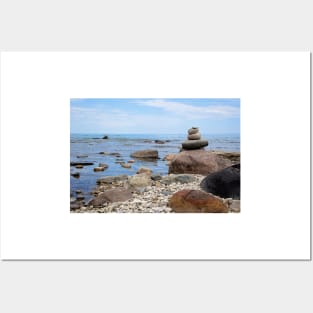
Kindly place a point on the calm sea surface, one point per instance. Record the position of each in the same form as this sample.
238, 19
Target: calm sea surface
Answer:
92, 144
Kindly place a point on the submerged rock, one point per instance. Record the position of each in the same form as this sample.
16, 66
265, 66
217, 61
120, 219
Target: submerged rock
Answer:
126, 165
105, 137
159, 141
99, 169
82, 156
75, 175
145, 154
81, 163
111, 179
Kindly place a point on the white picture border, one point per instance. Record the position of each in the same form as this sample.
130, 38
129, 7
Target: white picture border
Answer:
274, 89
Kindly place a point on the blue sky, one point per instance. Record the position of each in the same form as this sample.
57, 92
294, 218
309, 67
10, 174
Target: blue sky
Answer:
144, 116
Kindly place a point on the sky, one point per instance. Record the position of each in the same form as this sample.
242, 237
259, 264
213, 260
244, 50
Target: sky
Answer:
154, 116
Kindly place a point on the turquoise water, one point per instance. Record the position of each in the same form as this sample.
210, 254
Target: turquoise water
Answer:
92, 144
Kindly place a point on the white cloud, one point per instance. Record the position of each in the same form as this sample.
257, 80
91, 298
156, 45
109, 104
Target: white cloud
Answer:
193, 112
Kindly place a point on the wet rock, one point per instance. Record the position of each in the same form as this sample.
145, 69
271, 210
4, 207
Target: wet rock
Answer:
111, 179
224, 183
131, 161
115, 154
126, 165
80, 197
79, 166
145, 154
104, 153
82, 156
159, 141
196, 201
75, 175
99, 169
81, 163
78, 191
112, 195
197, 162
105, 137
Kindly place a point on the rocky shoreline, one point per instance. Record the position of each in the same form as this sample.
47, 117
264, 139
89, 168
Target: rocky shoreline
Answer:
198, 181
153, 198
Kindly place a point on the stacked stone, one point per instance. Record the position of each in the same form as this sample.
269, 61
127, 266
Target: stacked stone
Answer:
194, 140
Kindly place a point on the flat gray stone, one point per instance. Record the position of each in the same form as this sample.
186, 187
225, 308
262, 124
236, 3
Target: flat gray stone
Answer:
194, 144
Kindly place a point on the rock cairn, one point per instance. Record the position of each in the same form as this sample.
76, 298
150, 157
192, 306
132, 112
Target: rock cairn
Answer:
194, 140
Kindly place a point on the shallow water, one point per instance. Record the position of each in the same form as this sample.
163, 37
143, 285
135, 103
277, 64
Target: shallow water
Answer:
92, 144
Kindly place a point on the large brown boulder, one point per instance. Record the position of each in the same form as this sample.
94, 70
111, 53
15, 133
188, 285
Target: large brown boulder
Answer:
196, 201
145, 154
197, 162
112, 195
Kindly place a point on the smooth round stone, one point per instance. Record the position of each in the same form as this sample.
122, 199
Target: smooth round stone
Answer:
193, 130
98, 169
194, 144
126, 165
196, 136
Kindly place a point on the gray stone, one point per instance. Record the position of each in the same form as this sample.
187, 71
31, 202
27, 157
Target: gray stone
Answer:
156, 177
194, 136
112, 195
194, 144
111, 179
74, 206
193, 130
126, 165
139, 181
145, 154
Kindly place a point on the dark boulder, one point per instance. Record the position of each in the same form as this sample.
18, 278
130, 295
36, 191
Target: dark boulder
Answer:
81, 163
105, 137
75, 175
224, 183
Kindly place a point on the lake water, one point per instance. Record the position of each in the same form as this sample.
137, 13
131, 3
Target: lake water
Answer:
92, 144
